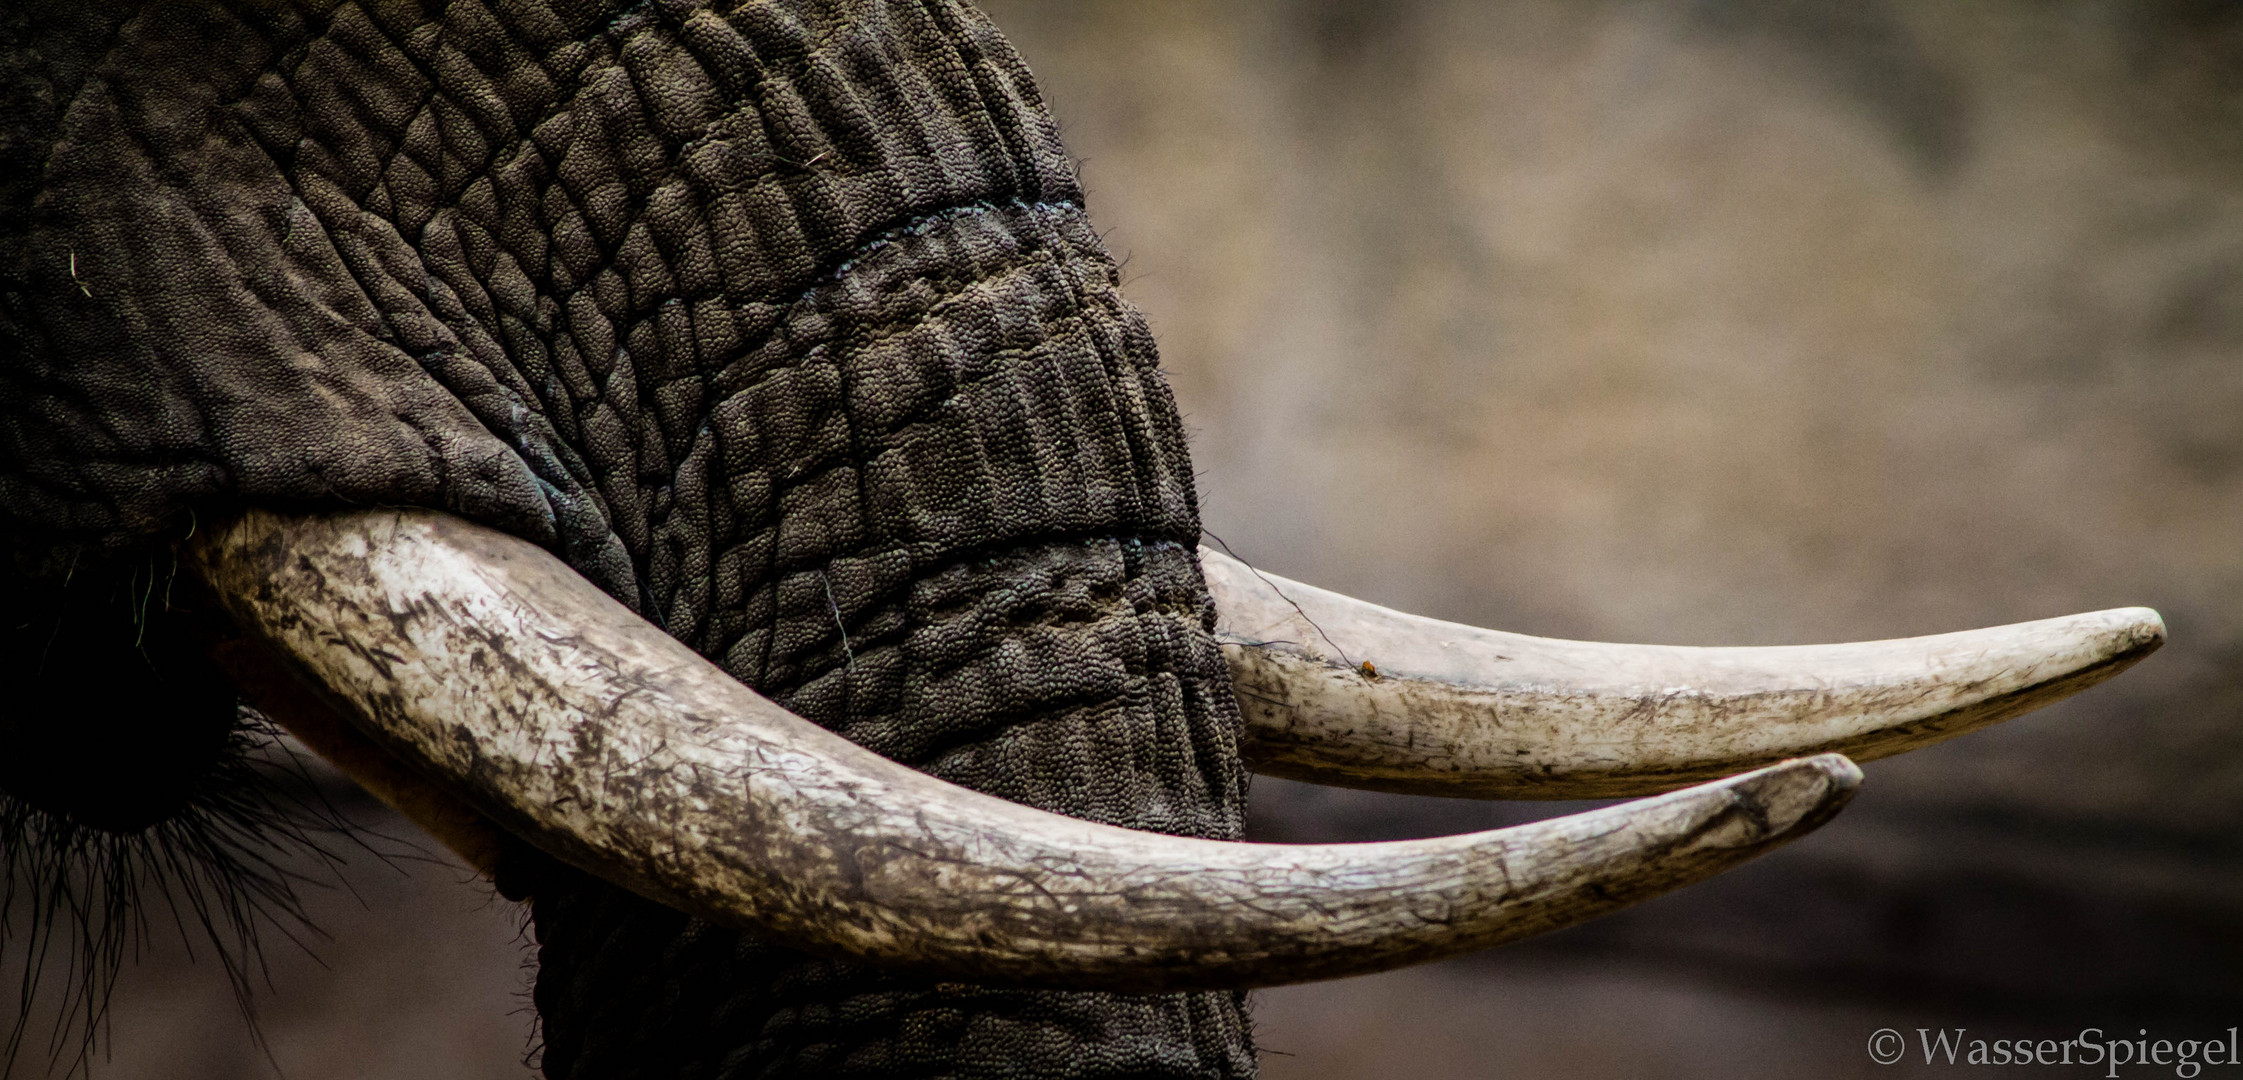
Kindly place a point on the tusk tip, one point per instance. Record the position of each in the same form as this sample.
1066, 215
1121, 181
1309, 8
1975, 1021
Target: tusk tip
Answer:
2141, 629
1798, 796
2097, 645
2094, 638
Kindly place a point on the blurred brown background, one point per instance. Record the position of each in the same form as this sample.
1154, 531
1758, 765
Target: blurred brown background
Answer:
1756, 321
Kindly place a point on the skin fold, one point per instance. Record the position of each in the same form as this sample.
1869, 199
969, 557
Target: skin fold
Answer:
783, 323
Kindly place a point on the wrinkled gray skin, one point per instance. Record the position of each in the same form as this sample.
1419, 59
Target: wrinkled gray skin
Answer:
782, 322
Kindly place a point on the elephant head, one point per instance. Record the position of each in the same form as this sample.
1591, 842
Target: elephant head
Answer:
694, 458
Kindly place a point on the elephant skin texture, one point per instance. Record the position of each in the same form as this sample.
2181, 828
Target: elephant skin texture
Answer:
782, 323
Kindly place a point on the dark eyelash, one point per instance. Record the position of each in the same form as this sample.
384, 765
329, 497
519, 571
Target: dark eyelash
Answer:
76, 901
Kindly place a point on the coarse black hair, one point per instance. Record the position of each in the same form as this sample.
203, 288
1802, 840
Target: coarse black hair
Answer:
135, 790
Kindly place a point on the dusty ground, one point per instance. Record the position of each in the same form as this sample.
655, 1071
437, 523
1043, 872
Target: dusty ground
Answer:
1751, 322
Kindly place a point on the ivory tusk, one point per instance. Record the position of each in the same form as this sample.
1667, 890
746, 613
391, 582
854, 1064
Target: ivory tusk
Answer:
1457, 710
516, 686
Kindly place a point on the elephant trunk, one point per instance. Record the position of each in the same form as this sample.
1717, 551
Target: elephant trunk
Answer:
949, 517
1101, 695
1045, 638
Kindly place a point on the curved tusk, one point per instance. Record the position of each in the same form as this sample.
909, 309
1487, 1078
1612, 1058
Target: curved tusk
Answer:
519, 687
1456, 710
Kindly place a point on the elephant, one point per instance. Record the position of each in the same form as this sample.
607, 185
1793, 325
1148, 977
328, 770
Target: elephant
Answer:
624, 436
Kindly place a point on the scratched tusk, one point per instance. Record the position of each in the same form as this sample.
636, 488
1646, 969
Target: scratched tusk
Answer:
1440, 708
487, 667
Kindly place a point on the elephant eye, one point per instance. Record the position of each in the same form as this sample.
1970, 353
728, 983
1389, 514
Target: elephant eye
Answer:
133, 781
